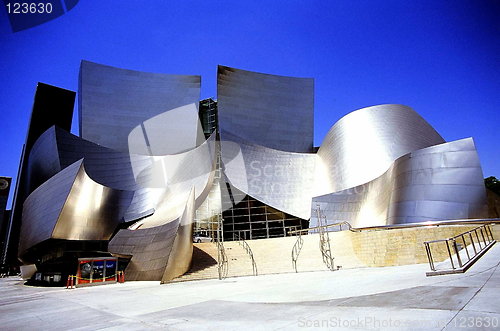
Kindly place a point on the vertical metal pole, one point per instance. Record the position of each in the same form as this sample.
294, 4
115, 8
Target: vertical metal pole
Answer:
491, 233
465, 247
457, 252
478, 241
429, 256
472, 242
482, 235
449, 254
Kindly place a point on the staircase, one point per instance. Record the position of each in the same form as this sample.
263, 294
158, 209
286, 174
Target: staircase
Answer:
350, 250
204, 264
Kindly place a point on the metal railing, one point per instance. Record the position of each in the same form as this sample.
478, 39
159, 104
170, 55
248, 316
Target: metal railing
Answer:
297, 247
222, 262
324, 240
222, 266
459, 243
247, 248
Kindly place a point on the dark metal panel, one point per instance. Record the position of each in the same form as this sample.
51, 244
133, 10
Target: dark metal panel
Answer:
52, 106
43, 161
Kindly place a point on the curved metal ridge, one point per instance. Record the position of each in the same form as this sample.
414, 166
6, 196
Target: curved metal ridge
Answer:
72, 206
438, 182
282, 180
362, 145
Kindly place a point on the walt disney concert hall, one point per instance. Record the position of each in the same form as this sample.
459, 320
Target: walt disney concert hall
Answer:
153, 165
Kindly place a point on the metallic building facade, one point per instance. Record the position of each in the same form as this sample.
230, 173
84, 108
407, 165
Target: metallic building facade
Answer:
440, 182
152, 163
113, 101
52, 106
267, 110
5, 183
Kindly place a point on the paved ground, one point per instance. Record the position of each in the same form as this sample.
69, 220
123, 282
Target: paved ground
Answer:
390, 298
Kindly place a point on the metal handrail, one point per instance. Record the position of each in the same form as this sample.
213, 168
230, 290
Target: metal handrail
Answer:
324, 240
454, 243
222, 261
222, 266
297, 247
406, 225
349, 227
247, 248
432, 223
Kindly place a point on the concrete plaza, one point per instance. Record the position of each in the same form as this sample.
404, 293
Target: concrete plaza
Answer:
389, 298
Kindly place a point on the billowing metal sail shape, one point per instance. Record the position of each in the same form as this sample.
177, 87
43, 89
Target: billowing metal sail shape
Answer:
440, 182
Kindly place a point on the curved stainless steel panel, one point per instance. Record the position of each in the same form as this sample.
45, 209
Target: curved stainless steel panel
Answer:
171, 178
181, 255
267, 110
161, 252
91, 211
172, 132
435, 183
42, 207
43, 160
282, 180
363, 144
159, 182
72, 206
149, 248
113, 101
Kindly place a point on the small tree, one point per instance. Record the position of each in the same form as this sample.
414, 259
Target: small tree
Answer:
493, 184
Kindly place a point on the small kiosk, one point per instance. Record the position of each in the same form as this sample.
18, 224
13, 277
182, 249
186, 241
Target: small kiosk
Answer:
96, 271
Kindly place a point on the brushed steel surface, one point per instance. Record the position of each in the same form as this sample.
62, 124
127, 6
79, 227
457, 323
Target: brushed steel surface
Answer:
172, 132
435, 183
282, 180
52, 106
42, 207
72, 206
363, 144
171, 178
179, 259
91, 211
142, 156
267, 110
160, 252
149, 248
113, 101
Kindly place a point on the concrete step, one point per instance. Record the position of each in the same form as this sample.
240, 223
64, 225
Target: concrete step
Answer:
204, 263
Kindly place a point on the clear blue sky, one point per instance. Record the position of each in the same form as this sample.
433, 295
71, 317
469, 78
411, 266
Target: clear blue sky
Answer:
442, 58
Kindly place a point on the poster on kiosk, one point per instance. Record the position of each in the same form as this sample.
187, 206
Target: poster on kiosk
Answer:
94, 271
